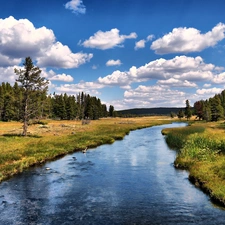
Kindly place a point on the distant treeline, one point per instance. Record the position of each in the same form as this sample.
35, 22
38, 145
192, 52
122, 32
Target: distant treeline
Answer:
147, 111
212, 109
63, 106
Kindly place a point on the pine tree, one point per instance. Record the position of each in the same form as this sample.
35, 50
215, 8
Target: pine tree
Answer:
187, 111
33, 85
88, 112
104, 110
18, 99
82, 105
180, 114
207, 111
111, 111
8, 109
1, 101
172, 114
71, 108
217, 111
199, 109
59, 107
48, 109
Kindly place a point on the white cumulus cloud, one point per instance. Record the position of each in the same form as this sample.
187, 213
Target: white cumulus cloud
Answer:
219, 78
160, 96
184, 40
106, 40
19, 39
7, 74
86, 87
116, 78
207, 85
183, 70
76, 6
150, 37
140, 44
210, 91
177, 83
59, 55
112, 62
59, 77
153, 96
6, 61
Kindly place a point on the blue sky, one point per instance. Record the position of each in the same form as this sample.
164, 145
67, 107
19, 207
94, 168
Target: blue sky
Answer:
129, 53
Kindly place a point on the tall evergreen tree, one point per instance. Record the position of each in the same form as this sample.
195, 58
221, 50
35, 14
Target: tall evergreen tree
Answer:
8, 109
199, 109
18, 100
187, 111
48, 109
71, 107
180, 114
1, 101
33, 85
111, 111
88, 112
59, 107
207, 111
217, 111
104, 110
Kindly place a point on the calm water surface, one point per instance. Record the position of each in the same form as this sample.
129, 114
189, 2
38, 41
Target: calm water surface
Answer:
130, 182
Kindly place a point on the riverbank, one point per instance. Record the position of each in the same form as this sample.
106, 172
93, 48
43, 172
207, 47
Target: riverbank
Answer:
201, 150
57, 138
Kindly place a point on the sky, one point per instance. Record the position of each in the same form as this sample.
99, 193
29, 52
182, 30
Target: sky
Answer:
128, 53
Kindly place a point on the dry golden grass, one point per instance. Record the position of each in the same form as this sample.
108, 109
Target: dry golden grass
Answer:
60, 137
54, 128
10, 127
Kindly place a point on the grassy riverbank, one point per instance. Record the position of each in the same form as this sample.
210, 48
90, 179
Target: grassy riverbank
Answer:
202, 152
58, 138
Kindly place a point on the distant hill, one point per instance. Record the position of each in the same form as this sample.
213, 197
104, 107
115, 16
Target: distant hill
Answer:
149, 111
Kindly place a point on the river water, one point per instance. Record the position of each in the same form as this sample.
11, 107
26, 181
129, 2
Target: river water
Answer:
132, 181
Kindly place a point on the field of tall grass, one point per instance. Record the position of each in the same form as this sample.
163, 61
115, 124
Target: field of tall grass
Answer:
51, 139
201, 150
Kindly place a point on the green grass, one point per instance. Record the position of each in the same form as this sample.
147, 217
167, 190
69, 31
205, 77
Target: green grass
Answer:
177, 137
202, 152
60, 138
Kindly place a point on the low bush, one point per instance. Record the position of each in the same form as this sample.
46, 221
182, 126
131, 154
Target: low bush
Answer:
202, 153
177, 137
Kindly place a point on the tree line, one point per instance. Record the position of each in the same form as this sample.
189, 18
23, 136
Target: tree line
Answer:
212, 109
28, 99
54, 106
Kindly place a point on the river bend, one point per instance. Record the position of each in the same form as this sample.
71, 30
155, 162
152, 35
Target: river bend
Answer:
132, 181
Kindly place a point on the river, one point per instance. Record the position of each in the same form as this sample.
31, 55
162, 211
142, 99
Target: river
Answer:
132, 181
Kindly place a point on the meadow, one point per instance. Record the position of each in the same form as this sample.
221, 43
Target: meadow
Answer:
50, 139
201, 150
200, 146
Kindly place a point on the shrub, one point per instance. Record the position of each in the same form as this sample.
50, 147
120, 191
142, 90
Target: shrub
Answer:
177, 137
